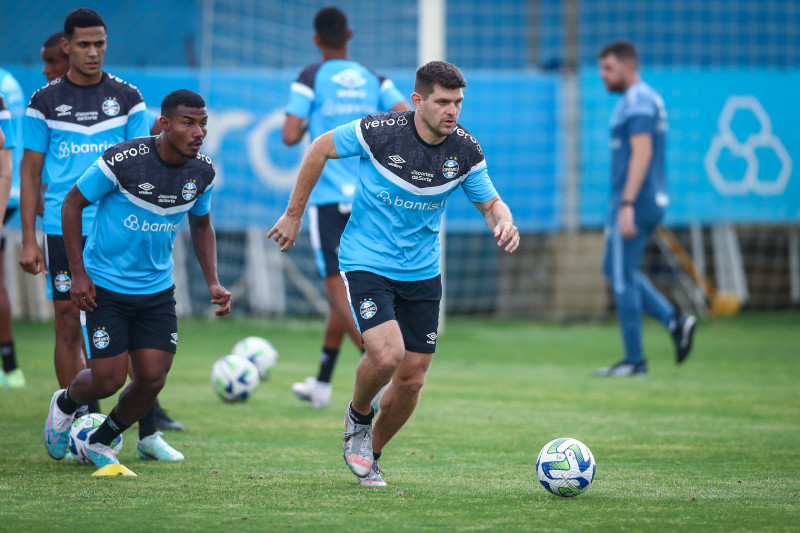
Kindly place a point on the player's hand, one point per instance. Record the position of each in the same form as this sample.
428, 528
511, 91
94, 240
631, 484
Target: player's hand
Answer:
32, 259
626, 222
508, 234
222, 297
285, 231
82, 292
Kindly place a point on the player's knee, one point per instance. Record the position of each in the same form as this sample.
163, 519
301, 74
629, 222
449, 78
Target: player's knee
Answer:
108, 385
387, 358
409, 384
152, 384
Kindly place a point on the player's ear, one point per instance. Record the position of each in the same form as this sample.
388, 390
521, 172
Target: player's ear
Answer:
164, 121
416, 99
317, 40
65, 46
349, 33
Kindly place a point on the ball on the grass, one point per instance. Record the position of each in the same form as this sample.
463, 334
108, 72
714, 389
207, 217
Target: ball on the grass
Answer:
565, 467
79, 433
234, 378
260, 352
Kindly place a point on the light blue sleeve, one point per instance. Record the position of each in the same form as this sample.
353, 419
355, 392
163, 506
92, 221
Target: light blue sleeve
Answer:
7, 125
478, 186
345, 139
202, 205
390, 95
36, 134
299, 101
138, 124
94, 183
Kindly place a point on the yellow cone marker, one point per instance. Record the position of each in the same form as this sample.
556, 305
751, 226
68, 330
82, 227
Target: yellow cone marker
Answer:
114, 470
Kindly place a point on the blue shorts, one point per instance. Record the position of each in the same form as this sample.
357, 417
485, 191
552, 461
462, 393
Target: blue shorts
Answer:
124, 322
375, 299
326, 225
59, 277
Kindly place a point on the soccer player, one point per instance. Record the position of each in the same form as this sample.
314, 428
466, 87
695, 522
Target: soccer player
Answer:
638, 201
56, 64
326, 95
409, 163
12, 113
122, 282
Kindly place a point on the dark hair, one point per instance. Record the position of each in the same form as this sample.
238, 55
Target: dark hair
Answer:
622, 50
183, 97
55, 39
438, 73
83, 17
330, 23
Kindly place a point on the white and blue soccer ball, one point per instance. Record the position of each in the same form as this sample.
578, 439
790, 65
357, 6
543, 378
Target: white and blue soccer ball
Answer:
234, 378
79, 433
260, 352
565, 467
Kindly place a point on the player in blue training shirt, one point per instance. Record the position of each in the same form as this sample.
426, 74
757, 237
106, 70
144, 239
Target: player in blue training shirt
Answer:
638, 201
122, 282
56, 64
326, 95
11, 123
409, 163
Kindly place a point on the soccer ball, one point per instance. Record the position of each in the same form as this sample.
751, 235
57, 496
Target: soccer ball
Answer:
79, 433
565, 467
260, 352
234, 378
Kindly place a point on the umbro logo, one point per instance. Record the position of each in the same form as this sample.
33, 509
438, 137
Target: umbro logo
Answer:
64, 109
396, 161
145, 188
432, 336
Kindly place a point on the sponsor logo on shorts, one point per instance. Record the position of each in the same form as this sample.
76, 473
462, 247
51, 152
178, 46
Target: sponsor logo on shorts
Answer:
174, 339
450, 168
100, 338
62, 281
189, 191
367, 309
432, 337
111, 107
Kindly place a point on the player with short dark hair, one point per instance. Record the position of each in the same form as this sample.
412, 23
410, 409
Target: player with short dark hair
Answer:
68, 124
638, 202
409, 163
56, 61
122, 281
326, 95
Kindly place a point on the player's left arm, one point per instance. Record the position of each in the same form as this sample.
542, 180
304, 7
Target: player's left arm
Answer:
638, 165
6, 165
501, 223
204, 240
294, 127
82, 292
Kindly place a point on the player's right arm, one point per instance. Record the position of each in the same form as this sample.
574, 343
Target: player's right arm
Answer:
287, 227
82, 290
32, 259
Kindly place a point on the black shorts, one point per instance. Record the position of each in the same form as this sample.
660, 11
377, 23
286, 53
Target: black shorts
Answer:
124, 322
9, 213
375, 299
59, 277
326, 225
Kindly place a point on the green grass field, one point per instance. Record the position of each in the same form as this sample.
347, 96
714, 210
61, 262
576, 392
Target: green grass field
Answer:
711, 446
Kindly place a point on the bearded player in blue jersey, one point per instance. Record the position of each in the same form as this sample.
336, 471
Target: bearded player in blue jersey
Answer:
638, 201
326, 95
122, 281
409, 163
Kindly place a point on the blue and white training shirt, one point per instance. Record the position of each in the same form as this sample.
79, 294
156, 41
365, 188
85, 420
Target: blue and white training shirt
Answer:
330, 94
403, 184
7, 125
72, 125
15, 99
141, 201
639, 110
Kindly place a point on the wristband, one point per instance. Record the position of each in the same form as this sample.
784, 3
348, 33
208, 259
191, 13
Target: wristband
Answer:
626, 202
